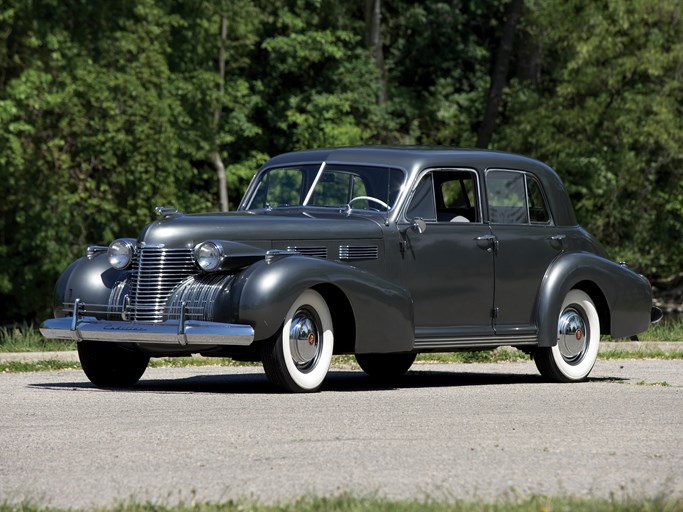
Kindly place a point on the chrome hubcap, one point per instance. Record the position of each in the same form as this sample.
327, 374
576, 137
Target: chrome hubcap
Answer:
573, 334
305, 339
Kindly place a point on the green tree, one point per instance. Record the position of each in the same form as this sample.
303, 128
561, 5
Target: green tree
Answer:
439, 57
319, 81
607, 115
90, 138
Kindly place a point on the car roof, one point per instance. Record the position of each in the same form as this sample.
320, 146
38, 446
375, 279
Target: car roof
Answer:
406, 157
414, 159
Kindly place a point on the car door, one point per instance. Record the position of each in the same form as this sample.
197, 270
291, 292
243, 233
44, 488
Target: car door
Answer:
527, 242
448, 265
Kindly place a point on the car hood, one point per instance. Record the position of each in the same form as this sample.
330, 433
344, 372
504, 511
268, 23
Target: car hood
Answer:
182, 231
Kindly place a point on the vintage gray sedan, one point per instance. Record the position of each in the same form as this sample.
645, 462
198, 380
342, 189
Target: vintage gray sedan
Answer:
381, 252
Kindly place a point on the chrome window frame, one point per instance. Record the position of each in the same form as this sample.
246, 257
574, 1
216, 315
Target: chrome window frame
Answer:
544, 196
478, 197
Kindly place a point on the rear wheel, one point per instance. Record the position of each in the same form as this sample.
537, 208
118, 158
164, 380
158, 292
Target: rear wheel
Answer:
298, 357
578, 340
108, 365
385, 366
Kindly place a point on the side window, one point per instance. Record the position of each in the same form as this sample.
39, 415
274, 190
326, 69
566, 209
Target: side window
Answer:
422, 204
506, 197
538, 210
515, 198
446, 196
456, 196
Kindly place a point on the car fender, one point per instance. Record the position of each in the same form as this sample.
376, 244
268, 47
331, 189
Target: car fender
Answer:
382, 310
90, 279
623, 298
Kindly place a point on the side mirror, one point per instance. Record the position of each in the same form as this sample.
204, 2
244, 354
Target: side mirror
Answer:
419, 225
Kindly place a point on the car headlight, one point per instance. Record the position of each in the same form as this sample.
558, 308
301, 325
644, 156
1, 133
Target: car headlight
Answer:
209, 256
120, 253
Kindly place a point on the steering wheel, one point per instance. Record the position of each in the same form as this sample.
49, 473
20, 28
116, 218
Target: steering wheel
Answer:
369, 198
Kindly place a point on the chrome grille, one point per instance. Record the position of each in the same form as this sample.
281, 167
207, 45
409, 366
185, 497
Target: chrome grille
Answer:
156, 272
198, 294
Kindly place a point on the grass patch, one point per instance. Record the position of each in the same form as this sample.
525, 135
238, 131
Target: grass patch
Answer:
662, 384
641, 354
666, 330
29, 339
346, 503
180, 362
37, 366
498, 355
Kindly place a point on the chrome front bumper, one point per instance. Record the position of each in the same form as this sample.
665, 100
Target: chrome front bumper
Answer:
171, 332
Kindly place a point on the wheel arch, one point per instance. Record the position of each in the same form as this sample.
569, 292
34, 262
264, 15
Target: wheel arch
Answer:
343, 318
599, 301
622, 298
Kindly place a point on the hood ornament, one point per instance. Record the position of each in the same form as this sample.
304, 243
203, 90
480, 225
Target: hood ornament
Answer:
164, 211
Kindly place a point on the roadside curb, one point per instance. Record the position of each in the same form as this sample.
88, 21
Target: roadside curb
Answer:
606, 346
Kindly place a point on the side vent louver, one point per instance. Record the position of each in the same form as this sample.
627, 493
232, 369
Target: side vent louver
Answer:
314, 252
358, 252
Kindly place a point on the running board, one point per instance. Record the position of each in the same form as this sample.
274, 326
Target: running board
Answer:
474, 343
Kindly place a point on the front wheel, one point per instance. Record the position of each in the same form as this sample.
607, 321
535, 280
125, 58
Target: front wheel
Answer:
298, 357
578, 340
108, 365
385, 366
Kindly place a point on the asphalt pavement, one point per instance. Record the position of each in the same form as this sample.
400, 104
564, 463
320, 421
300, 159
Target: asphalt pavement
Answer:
447, 431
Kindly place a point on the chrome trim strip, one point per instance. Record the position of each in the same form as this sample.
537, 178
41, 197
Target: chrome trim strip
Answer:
314, 251
358, 252
170, 332
94, 250
492, 342
165, 211
275, 254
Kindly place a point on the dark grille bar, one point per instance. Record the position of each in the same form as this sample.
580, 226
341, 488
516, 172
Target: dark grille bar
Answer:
156, 272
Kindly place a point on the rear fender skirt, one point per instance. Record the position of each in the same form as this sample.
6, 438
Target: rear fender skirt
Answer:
382, 310
627, 295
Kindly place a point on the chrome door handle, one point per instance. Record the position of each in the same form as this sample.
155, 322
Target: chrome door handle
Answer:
557, 242
487, 242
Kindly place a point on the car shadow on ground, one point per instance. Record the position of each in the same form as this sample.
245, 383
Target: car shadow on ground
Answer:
336, 381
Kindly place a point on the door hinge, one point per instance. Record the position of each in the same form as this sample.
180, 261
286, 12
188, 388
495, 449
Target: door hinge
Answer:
494, 312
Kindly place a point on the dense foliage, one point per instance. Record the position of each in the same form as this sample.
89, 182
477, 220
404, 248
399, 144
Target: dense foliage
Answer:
110, 108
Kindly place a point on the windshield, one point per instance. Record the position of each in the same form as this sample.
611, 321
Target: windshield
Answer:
364, 187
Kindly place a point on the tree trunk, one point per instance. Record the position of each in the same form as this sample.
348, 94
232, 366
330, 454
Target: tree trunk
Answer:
217, 162
373, 41
216, 159
500, 73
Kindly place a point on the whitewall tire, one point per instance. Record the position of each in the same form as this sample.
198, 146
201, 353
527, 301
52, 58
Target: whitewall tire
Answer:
578, 341
298, 357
